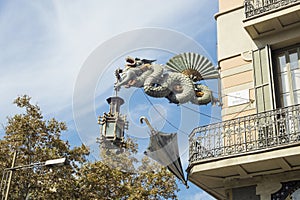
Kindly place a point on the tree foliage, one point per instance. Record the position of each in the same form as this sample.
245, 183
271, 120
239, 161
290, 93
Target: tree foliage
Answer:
118, 176
36, 139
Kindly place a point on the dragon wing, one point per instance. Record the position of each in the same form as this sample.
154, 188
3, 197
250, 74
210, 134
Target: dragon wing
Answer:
196, 66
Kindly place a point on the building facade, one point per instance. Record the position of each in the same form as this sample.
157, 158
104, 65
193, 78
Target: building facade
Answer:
254, 153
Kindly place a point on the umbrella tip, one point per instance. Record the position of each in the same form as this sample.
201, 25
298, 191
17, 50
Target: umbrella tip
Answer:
142, 118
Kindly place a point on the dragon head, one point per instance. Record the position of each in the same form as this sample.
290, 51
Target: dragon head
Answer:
135, 62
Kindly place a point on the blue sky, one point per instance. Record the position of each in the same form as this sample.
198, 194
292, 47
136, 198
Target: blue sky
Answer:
46, 46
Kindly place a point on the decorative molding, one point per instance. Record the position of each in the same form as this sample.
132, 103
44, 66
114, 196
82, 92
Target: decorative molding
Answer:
267, 188
247, 56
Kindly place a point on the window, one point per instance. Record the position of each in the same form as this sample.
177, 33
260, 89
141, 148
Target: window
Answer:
287, 73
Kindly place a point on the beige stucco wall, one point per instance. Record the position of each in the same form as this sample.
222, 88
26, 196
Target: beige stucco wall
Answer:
233, 39
226, 5
233, 42
236, 75
237, 79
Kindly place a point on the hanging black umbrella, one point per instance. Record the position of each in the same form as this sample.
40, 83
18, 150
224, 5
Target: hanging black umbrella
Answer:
163, 148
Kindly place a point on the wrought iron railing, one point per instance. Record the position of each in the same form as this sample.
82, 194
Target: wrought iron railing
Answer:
249, 134
257, 7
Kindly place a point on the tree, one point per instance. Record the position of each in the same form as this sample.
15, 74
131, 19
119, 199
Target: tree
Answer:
117, 177
35, 139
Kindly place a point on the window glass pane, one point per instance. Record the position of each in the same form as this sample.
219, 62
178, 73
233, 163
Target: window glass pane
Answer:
284, 82
282, 63
296, 79
294, 60
286, 99
296, 194
297, 97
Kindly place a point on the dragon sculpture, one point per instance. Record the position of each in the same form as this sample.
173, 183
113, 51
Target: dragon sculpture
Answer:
178, 80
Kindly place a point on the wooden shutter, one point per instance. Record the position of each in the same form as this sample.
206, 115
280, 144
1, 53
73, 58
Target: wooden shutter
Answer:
263, 79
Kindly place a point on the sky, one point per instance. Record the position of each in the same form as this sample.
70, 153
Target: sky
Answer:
63, 54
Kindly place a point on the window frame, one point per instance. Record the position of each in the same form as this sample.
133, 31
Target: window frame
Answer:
291, 87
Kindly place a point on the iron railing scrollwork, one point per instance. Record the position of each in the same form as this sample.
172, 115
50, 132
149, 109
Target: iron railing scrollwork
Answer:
257, 7
246, 134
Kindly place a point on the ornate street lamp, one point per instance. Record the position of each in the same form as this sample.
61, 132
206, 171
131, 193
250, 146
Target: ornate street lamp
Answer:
8, 172
113, 124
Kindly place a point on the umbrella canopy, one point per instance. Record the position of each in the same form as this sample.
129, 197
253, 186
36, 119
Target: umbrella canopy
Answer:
163, 148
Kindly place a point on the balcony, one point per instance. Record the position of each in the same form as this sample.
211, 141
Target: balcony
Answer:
246, 135
261, 144
258, 7
266, 17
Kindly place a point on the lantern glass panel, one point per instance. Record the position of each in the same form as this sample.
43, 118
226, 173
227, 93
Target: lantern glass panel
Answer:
119, 132
103, 130
110, 129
